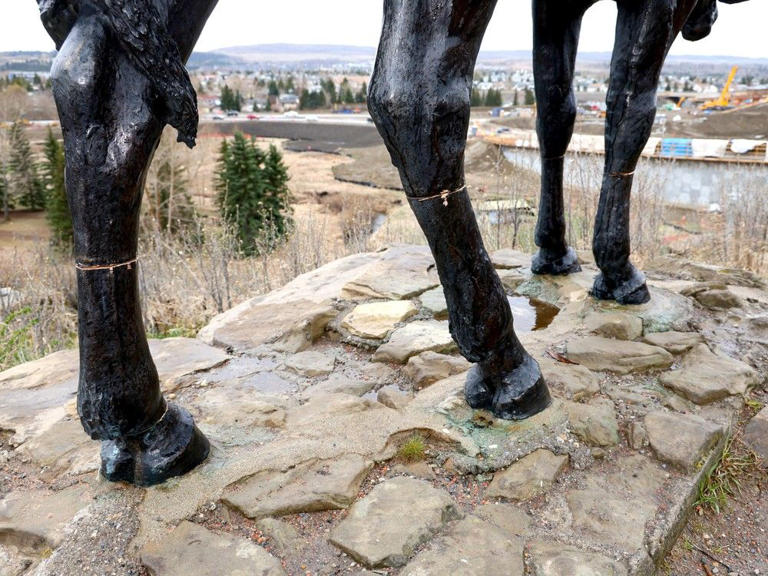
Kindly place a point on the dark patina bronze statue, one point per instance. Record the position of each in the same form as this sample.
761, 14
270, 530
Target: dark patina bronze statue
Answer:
118, 78
645, 31
419, 99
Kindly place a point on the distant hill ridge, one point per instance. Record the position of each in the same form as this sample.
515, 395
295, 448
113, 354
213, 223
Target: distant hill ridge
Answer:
296, 55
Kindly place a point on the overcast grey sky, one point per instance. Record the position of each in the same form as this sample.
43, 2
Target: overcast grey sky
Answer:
740, 31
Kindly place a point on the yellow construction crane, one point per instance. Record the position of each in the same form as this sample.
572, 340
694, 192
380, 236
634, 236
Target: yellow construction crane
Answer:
725, 96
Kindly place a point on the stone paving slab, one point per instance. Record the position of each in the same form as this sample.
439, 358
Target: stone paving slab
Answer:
473, 547
312, 487
681, 439
402, 272
191, 549
706, 377
622, 357
386, 527
549, 558
415, 338
376, 320
530, 476
39, 518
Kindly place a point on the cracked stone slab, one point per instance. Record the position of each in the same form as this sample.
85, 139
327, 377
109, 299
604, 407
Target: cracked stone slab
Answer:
310, 487
674, 342
192, 549
290, 326
507, 517
401, 272
573, 381
616, 325
550, 558
622, 357
530, 476
375, 320
399, 515
705, 377
310, 363
177, 357
473, 547
594, 424
429, 367
681, 439
64, 447
415, 338
40, 517
614, 508
328, 407
339, 383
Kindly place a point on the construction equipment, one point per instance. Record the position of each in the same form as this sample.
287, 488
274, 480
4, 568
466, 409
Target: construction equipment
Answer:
724, 101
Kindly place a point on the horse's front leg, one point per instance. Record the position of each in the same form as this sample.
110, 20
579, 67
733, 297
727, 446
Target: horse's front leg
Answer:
110, 135
644, 32
419, 100
556, 27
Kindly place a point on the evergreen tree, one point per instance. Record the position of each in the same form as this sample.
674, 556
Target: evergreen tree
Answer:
362, 95
252, 192
330, 88
530, 98
476, 99
273, 89
230, 100
278, 196
312, 100
24, 181
493, 98
56, 205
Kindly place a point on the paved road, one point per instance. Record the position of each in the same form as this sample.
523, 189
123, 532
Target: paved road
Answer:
317, 133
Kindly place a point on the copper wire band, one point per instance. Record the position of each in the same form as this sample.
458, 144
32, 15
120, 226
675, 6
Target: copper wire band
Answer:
441, 195
111, 267
622, 174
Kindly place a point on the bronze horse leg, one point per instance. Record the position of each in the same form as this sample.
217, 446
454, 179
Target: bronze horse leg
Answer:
419, 99
644, 33
556, 28
111, 124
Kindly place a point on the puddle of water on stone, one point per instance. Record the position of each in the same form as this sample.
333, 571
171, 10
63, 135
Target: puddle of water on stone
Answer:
531, 314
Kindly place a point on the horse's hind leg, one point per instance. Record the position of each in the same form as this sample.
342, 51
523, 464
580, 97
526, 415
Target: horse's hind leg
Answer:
419, 100
644, 32
556, 28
